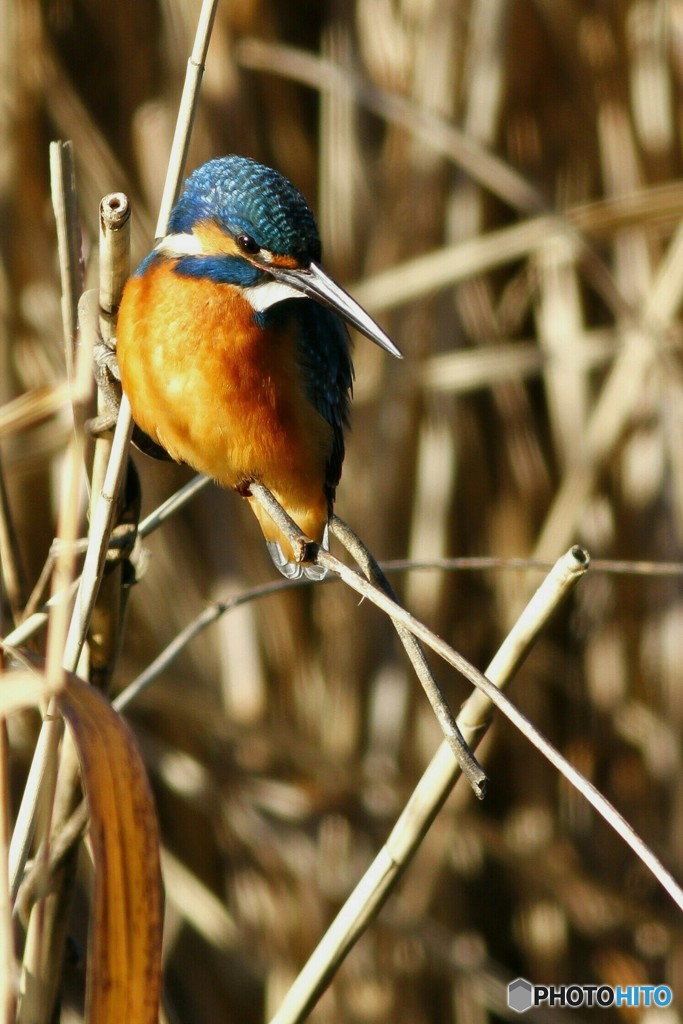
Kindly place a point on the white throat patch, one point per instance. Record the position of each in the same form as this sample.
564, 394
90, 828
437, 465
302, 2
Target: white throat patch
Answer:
263, 296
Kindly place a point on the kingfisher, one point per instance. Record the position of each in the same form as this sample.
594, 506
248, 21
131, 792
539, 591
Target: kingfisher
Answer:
233, 349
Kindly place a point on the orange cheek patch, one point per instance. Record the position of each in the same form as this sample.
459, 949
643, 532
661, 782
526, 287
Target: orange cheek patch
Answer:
284, 261
214, 241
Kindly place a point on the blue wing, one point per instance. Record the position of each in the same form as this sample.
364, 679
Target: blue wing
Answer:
324, 357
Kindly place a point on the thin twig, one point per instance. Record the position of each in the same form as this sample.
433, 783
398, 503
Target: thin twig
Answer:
519, 720
172, 505
426, 801
477, 563
482, 683
38, 876
186, 113
100, 532
471, 769
206, 618
303, 547
30, 626
79, 363
215, 611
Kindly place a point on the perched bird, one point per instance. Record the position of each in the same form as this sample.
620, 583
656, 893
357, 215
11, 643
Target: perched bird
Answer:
233, 351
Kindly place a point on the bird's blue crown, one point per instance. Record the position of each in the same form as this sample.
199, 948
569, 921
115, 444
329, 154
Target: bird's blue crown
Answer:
241, 195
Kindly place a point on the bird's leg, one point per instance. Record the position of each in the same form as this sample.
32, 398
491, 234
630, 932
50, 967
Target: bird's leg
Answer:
471, 769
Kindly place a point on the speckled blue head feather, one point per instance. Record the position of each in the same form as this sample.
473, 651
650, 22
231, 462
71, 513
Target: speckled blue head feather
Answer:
241, 195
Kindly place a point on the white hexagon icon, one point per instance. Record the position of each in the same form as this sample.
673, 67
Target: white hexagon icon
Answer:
520, 995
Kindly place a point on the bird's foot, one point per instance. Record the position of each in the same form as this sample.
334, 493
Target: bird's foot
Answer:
108, 380
99, 425
105, 367
304, 568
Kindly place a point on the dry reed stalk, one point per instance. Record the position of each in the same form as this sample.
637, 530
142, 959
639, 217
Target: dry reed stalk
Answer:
430, 128
65, 203
186, 113
620, 393
26, 410
13, 577
571, 85
474, 369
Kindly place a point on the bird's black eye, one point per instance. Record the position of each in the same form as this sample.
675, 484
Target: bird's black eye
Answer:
248, 245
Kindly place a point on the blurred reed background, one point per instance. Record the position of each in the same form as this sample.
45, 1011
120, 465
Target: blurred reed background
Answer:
539, 403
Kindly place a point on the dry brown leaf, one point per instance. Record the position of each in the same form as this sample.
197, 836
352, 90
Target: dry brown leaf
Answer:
124, 962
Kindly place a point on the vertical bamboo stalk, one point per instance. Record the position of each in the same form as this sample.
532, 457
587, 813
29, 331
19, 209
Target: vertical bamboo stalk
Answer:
186, 113
114, 253
65, 205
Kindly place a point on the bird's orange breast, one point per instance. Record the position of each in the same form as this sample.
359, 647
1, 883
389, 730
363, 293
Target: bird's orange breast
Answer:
221, 394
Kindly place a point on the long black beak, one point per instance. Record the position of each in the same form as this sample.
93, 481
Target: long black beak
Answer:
315, 283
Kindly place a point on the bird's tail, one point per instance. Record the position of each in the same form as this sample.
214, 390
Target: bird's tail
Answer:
298, 570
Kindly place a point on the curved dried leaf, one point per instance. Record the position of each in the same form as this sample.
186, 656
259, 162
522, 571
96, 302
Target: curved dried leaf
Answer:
124, 962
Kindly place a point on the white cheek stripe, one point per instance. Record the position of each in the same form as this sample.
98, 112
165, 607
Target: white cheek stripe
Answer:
263, 296
180, 245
